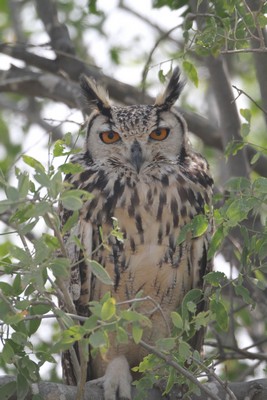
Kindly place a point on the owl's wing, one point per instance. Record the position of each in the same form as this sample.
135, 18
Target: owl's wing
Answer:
199, 258
78, 245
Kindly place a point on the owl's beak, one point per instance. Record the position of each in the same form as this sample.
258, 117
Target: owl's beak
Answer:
136, 155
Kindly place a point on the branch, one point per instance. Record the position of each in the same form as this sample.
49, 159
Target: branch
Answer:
229, 118
55, 391
38, 84
260, 58
31, 108
58, 33
150, 55
178, 368
16, 21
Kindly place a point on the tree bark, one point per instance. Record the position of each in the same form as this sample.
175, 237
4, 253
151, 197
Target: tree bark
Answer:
252, 390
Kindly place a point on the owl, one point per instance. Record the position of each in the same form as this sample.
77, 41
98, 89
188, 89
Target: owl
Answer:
139, 166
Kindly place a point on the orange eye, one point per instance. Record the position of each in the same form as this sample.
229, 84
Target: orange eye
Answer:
159, 134
109, 137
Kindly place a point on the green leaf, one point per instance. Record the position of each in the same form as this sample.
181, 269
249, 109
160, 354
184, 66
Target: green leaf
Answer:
216, 241
51, 241
170, 382
59, 148
218, 308
22, 387
183, 233
40, 309
4, 206
108, 309
73, 334
32, 162
191, 306
202, 319
216, 278
233, 148
72, 202
19, 338
72, 199
98, 339
8, 352
137, 333
71, 222
166, 344
184, 350
28, 227
37, 210
71, 168
121, 335
194, 295
235, 213
242, 291
177, 320
6, 288
33, 325
60, 267
238, 183
43, 178
91, 323
245, 129
21, 255
12, 193
100, 272
92, 4
115, 52
246, 113
255, 158
161, 76
260, 185
133, 316
38, 396
7, 390
191, 72
199, 225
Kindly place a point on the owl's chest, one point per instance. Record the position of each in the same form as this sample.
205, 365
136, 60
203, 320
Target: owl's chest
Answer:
150, 215
144, 207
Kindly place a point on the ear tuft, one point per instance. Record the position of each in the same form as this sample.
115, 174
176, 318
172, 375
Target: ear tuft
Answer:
172, 92
95, 94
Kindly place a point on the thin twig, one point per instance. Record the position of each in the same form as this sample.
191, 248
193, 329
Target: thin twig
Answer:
178, 368
160, 39
236, 352
216, 378
157, 307
248, 50
240, 92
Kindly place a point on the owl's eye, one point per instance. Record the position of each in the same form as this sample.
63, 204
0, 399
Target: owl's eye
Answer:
109, 137
159, 134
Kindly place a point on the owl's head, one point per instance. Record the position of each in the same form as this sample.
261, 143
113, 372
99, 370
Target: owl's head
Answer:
137, 136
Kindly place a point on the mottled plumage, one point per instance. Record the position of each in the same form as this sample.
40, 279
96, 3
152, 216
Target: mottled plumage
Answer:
139, 167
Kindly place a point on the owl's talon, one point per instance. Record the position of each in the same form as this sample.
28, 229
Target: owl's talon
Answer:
117, 379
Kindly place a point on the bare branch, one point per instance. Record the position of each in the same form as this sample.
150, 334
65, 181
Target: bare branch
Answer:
260, 58
240, 92
58, 33
15, 9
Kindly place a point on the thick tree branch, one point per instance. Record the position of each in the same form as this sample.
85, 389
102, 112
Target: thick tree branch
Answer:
15, 9
260, 58
58, 33
54, 87
229, 118
256, 389
30, 108
29, 83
